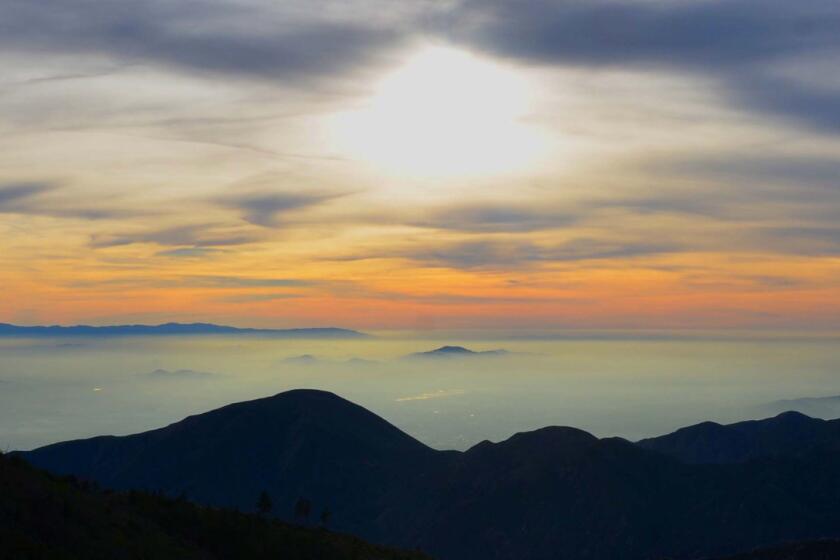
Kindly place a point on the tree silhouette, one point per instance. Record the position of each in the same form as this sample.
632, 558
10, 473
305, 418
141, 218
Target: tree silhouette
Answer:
302, 509
326, 514
264, 503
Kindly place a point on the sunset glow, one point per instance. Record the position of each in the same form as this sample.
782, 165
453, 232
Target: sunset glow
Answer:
429, 181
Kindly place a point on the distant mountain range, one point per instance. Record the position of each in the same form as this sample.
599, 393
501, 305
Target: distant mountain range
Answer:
558, 492
456, 352
172, 329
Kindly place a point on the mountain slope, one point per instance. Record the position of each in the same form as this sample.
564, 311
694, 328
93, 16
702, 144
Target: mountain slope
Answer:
562, 493
44, 517
816, 550
301, 443
552, 493
710, 442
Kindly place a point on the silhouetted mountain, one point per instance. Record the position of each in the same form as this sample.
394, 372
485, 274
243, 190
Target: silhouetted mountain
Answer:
455, 352
710, 442
817, 550
44, 517
303, 359
172, 329
299, 443
552, 493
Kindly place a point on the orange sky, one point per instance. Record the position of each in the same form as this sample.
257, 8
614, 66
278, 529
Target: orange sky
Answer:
333, 172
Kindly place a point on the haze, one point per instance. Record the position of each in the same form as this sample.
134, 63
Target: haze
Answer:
53, 390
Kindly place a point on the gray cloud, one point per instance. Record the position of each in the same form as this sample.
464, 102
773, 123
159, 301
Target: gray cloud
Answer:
192, 236
221, 282
33, 198
496, 218
12, 195
237, 39
736, 41
803, 240
256, 298
799, 171
268, 208
504, 254
189, 252
245, 282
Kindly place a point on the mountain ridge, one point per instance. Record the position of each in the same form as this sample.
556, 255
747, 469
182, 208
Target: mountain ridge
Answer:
173, 329
710, 442
556, 492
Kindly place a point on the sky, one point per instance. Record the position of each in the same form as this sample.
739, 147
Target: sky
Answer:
451, 164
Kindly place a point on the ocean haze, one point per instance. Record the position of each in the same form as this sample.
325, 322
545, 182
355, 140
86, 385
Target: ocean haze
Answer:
58, 389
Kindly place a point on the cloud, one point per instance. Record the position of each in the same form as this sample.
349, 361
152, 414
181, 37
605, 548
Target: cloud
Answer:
267, 41
516, 254
255, 298
194, 236
192, 281
189, 252
13, 194
801, 240
245, 282
268, 208
741, 43
496, 217
799, 171
33, 199
735, 41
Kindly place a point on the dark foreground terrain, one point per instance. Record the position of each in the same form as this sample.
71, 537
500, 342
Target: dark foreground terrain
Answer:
46, 517
555, 493
818, 550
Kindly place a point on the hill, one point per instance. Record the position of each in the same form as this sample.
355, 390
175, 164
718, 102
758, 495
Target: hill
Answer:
710, 442
45, 517
456, 352
298, 443
170, 329
552, 493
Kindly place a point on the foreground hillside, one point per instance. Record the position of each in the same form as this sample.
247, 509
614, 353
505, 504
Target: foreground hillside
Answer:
45, 517
542, 495
819, 550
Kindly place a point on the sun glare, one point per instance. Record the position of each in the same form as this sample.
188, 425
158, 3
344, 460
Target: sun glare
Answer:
443, 113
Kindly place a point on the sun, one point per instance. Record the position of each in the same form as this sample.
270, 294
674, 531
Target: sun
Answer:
445, 112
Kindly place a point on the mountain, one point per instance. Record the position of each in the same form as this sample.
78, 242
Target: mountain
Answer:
45, 517
300, 443
456, 352
303, 359
710, 442
562, 493
557, 492
171, 329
